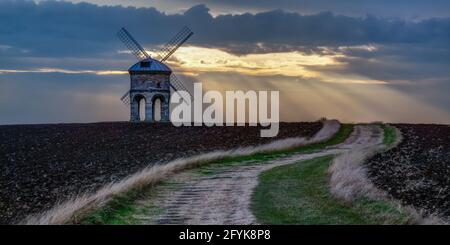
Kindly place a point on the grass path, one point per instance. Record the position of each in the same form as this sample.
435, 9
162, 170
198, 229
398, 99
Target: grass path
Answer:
299, 194
220, 193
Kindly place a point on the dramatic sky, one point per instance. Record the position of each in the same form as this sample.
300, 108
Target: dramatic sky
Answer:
355, 60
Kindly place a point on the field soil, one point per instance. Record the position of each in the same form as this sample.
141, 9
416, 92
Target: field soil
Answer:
417, 171
41, 164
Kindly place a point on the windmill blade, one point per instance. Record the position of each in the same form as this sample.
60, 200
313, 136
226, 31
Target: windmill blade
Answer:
178, 40
132, 44
178, 85
126, 98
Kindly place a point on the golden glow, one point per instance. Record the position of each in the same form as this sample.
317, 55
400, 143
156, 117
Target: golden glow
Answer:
350, 79
195, 60
309, 99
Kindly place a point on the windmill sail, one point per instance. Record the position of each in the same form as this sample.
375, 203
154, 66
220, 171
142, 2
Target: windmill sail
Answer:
126, 98
132, 44
178, 40
181, 37
178, 85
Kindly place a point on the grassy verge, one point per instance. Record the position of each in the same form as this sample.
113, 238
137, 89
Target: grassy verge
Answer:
123, 209
390, 135
299, 194
343, 133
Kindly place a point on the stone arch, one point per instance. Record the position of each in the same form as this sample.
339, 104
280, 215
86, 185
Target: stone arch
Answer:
138, 108
158, 107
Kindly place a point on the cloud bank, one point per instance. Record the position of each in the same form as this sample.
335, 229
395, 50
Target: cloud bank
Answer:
62, 28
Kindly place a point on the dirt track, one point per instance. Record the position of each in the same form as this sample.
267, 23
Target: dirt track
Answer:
224, 196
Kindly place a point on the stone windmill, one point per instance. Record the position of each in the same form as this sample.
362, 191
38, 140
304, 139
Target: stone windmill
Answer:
151, 79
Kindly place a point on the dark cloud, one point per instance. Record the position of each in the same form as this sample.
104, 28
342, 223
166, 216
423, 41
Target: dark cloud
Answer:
66, 29
387, 8
407, 62
410, 9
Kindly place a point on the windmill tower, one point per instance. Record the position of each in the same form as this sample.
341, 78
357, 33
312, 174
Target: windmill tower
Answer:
151, 79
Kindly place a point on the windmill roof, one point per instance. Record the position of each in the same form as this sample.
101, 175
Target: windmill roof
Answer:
150, 65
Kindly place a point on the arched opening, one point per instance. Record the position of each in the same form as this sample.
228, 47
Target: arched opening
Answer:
140, 100
157, 107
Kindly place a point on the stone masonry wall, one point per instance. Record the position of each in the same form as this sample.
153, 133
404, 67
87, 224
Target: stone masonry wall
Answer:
149, 87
